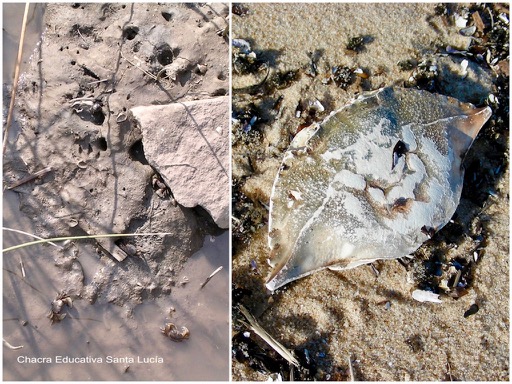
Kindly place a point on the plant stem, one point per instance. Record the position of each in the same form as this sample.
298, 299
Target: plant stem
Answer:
82, 237
16, 76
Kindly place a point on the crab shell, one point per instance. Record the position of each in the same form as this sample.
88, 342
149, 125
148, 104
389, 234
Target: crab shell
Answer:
374, 180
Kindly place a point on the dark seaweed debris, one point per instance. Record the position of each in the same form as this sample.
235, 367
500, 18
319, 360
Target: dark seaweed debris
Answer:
239, 9
246, 62
246, 218
248, 351
357, 43
342, 76
407, 65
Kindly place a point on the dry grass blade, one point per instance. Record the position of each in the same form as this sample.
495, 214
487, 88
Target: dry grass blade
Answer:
16, 75
278, 347
10, 346
42, 241
29, 234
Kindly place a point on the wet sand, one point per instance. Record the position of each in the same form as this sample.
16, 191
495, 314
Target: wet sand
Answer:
331, 318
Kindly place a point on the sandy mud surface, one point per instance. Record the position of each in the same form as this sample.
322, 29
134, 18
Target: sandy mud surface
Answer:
95, 63
294, 64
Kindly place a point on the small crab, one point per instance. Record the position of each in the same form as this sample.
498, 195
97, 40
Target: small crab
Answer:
89, 108
55, 315
82, 104
171, 331
162, 190
353, 189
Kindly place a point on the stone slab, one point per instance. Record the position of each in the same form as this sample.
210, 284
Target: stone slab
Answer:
188, 144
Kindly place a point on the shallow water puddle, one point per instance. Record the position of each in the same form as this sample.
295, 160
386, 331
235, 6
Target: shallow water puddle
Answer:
12, 20
108, 342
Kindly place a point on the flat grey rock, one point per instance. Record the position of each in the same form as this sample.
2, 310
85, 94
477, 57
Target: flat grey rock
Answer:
188, 144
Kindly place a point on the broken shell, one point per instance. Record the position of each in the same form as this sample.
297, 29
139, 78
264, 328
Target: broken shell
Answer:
67, 300
316, 106
55, 314
241, 44
464, 65
425, 296
363, 197
121, 117
175, 334
57, 306
201, 69
55, 317
469, 31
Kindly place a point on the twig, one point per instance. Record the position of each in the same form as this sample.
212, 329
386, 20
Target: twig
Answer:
490, 15
29, 234
164, 69
11, 346
83, 38
449, 370
138, 66
98, 81
258, 329
72, 101
16, 75
42, 172
210, 277
252, 88
83, 237
22, 269
350, 370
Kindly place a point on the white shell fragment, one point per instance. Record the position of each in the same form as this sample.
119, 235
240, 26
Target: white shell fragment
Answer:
374, 180
424, 296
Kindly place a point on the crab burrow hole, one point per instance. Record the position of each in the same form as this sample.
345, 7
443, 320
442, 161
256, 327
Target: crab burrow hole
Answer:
130, 32
164, 54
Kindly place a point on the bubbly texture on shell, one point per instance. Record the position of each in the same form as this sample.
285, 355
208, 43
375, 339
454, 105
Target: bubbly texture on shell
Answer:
372, 181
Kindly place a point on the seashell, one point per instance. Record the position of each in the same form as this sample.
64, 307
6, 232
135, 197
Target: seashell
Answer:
241, 44
469, 31
55, 317
425, 296
121, 117
82, 164
57, 305
68, 301
175, 334
374, 180
201, 69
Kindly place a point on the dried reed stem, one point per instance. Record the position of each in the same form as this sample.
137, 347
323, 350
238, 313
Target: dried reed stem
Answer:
258, 329
16, 75
210, 277
37, 174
